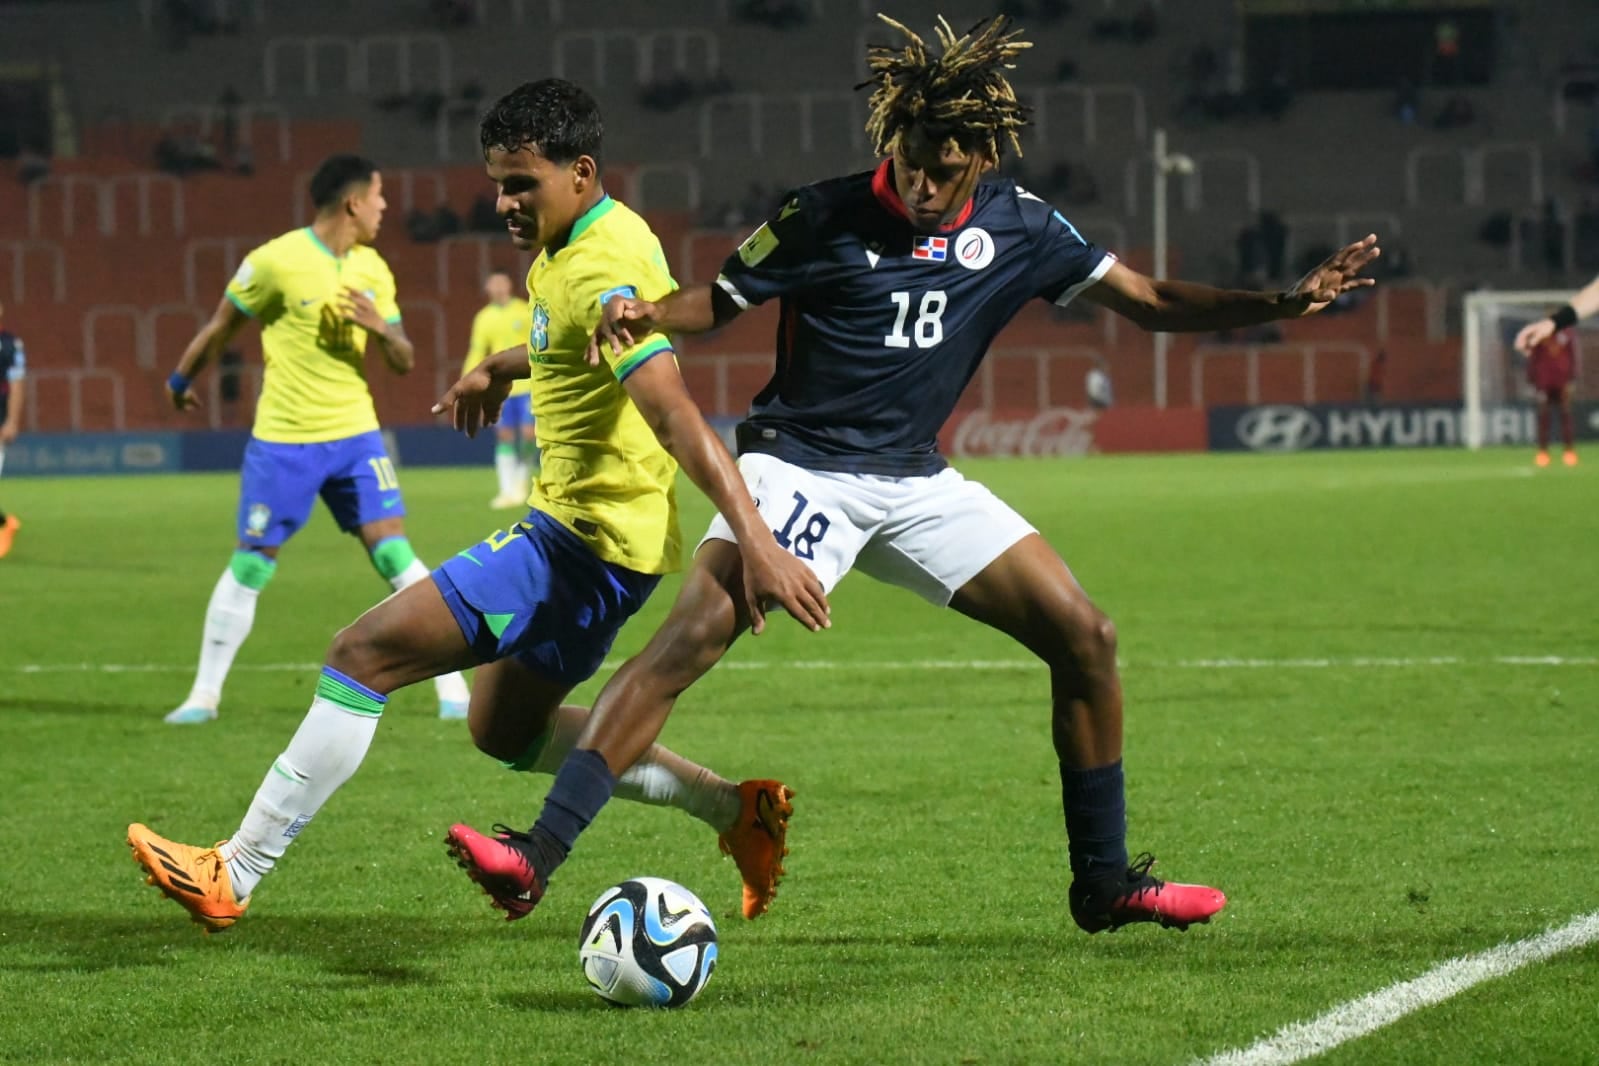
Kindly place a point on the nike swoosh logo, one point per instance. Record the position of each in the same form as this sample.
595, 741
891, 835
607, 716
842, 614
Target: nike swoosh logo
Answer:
390, 502
307, 303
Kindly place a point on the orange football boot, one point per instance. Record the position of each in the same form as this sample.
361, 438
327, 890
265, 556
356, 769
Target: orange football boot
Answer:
757, 841
194, 878
8, 531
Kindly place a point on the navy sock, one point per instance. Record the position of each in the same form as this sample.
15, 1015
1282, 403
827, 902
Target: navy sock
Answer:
1096, 820
582, 786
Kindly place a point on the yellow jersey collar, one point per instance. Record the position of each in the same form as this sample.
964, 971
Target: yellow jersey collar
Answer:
584, 221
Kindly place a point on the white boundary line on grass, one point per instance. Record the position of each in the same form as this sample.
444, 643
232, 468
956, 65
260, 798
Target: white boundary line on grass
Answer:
879, 666
1303, 1040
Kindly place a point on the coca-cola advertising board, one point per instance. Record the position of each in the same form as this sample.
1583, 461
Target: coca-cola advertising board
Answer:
1059, 431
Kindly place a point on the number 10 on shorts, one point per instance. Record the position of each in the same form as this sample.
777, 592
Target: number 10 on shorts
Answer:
383, 470
802, 544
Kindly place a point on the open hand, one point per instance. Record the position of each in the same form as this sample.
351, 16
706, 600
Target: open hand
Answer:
474, 402
1338, 274
773, 576
624, 321
1534, 334
358, 307
8, 432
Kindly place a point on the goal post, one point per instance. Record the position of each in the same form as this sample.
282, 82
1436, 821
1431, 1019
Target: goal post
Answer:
1493, 372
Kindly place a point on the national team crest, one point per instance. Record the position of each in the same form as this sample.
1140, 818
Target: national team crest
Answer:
255, 524
974, 249
539, 339
935, 249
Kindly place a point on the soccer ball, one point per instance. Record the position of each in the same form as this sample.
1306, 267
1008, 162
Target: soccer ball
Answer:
648, 942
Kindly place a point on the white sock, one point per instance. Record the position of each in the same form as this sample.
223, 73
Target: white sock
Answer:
325, 751
228, 619
450, 687
508, 469
660, 778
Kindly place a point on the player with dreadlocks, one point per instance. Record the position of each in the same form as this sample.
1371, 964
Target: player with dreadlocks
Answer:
892, 283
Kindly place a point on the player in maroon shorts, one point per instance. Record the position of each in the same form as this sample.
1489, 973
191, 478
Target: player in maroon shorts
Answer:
1551, 368
1532, 337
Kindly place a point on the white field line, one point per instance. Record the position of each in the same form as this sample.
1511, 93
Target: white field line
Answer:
885, 665
1303, 1040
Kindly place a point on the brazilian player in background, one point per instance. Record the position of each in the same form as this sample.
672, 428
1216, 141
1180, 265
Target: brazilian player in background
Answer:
535, 607
500, 324
893, 283
320, 293
13, 390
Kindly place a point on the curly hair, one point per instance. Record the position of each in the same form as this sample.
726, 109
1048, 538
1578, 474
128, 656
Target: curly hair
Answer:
961, 94
554, 116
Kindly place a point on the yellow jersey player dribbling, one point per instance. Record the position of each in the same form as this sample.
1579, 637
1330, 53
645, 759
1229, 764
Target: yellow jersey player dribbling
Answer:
535, 607
500, 324
320, 293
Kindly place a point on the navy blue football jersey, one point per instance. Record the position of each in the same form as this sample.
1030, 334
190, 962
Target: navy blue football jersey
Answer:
13, 367
882, 326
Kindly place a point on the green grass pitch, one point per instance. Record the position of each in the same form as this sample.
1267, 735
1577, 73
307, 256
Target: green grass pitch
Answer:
1321, 720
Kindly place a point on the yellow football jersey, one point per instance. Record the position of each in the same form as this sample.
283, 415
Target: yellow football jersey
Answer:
496, 328
315, 383
603, 475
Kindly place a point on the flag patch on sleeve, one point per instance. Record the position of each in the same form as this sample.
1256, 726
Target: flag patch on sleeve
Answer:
933, 248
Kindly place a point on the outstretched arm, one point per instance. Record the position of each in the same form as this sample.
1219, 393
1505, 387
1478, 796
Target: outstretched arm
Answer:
770, 573
628, 320
1188, 307
206, 346
475, 401
1583, 304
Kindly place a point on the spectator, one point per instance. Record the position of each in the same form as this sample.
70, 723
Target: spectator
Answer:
1552, 231
1273, 244
484, 217
1376, 377
228, 112
32, 165
1407, 102
1456, 112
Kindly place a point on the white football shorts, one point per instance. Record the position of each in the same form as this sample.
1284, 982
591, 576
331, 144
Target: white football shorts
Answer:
929, 534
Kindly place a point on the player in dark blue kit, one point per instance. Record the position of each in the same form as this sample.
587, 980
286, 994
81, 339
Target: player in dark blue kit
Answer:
892, 285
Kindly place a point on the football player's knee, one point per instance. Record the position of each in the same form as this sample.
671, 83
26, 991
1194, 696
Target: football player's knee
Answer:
356, 651
1100, 640
1090, 639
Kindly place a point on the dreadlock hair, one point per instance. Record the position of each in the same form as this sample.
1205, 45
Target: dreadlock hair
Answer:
960, 95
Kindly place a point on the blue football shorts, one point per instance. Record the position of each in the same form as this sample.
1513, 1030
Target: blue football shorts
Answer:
280, 483
516, 412
537, 592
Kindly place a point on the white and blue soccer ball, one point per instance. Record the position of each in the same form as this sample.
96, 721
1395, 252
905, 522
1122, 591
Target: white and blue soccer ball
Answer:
648, 942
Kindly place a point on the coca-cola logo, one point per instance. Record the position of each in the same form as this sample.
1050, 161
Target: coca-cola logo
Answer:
1057, 431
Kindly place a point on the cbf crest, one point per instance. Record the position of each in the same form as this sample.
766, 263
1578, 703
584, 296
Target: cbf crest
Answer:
539, 338
255, 524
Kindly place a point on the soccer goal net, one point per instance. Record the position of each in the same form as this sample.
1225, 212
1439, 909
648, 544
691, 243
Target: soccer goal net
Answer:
1494, 373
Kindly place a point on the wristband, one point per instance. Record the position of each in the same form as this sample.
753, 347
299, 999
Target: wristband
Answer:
178, 384
1565, 317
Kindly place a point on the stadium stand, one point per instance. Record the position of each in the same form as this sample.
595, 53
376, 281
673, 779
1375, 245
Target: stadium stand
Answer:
110, 260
